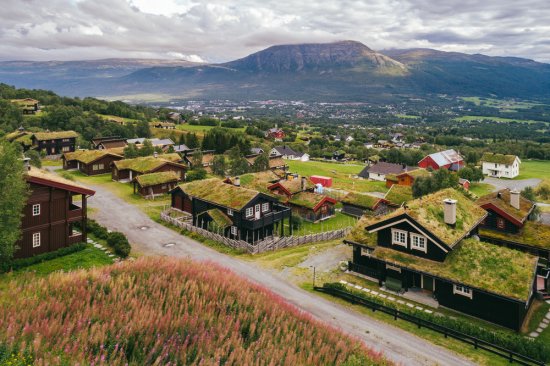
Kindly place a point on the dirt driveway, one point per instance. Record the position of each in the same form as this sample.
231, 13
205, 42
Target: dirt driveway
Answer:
512, 184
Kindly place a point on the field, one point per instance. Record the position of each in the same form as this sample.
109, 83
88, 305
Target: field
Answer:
534, 169
481, 189
200, 130
117, 119
496, 119
164, 311
339, 221
341, 174
505, 105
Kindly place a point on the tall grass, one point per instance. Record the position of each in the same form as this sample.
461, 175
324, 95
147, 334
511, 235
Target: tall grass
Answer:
157, 311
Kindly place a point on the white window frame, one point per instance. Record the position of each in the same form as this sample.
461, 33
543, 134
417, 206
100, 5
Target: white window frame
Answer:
397, 231
36, 209
249, 212
265, 207
36, 240
233, 230
100, 166
95, 167
257, 208
229, 212
66, 148
462, 290
417, 247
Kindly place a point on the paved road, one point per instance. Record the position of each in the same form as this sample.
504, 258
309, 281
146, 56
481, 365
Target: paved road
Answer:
512, 184
150, 238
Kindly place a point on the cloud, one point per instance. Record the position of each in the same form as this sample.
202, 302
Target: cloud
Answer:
221, 30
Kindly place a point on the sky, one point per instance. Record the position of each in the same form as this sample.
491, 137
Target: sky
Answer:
217, 31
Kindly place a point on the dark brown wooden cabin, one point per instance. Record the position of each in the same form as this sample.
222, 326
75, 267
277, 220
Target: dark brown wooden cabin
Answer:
54, 143
128, 169
311, 206
52, 218
90, 162
155, 184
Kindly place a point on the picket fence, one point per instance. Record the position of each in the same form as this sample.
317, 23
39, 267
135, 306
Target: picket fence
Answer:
177, 218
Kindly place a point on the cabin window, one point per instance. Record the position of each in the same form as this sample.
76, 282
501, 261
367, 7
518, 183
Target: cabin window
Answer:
249, 212
95, 167
36, 209
265, 207
399, 237
500, 223
230, 212
66, 148
35, 240
233, 230
418, 242
65, 140
462, 290
101, 166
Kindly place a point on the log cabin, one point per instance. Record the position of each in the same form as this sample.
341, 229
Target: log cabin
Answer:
429, 249
128, 169
90, 162
357, 204
108, 142
155, 184
52, 217
241, 213
54, 143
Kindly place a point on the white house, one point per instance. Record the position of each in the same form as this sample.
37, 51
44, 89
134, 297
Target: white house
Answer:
288, 153
500, 165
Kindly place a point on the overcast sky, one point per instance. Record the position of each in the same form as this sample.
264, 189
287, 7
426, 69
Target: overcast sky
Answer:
217, 31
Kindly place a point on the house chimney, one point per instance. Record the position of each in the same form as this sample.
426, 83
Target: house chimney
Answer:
514, 198
26, 164
237, 181
449, 211
304, 183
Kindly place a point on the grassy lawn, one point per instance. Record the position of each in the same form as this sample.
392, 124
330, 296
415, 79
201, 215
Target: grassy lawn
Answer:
481, 189
496, 119
48, 162
123, 120
339, 221
534, 169
341, 175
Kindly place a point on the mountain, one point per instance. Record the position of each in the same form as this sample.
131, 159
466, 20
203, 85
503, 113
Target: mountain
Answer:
339, 71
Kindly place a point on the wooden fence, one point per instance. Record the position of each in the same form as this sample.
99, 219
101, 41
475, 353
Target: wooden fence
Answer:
181, 220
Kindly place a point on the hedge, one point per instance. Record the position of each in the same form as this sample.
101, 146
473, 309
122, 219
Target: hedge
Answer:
535, 349
25, 262
117, 241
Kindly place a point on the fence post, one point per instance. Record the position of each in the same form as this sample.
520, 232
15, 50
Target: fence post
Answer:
395, 315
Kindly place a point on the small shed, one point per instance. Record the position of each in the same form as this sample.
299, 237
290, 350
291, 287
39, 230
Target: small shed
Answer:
155, 184
326, 182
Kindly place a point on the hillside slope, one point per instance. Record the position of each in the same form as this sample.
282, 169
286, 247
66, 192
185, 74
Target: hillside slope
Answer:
165, 311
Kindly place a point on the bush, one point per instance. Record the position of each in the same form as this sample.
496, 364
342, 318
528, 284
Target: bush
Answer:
195, 174
119, 243
514, 342
97, 230
26, 262
296, 222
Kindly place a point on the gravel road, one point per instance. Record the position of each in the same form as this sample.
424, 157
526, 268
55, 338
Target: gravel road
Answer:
512, 184
151, 238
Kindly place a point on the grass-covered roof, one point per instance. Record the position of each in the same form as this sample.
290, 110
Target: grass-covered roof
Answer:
259, 181
295, 185
498, 158
41, 136
532, 233
46, 175
216, 191
88, 156
501, 200
360, 200
152, 179
417, 173
145, 164
220, 218
428, 212
308, 199
488, 267
397, 194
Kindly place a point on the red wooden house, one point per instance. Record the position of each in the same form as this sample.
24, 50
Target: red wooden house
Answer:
448, 159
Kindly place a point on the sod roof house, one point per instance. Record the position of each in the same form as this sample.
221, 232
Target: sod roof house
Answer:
27, 105
508, 223
128, 169
237, 212
155, 184
54, 143
500, 165
311, 206
380, 170
90, 162
429, 247
448, 159
398, 195
406, 178
52, 218
108, 142
22, 137
359, 204
207, 159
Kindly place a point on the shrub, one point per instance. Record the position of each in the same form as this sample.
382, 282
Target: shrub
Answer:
514, 342
119, 243
296, 222
97, 230
166, 311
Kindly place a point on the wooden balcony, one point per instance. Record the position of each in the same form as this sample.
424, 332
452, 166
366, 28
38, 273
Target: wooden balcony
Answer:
75, 238
74, 212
